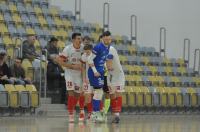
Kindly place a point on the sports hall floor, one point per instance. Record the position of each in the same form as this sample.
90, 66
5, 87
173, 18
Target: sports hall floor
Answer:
129, 123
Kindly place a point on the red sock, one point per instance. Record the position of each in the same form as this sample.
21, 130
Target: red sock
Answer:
75, 101
89, 107
70, 104
81, 102
119, 104
114, 105
101, 105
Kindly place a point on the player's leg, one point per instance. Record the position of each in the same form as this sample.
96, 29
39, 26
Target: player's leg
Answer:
107, 96
116, 102
71, 100
88, 99
80, 97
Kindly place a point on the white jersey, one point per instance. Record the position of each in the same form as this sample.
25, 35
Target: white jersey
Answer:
73, 56
84, 58
117, 73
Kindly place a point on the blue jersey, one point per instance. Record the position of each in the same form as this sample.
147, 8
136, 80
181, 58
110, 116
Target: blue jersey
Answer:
101, 51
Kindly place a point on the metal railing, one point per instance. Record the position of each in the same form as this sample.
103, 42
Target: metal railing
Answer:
196, 67
186, 51
134, 29
78, 9
163, 41
106, 16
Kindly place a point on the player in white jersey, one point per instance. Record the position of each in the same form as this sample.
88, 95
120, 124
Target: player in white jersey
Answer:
87, 88
116, 81
73, 74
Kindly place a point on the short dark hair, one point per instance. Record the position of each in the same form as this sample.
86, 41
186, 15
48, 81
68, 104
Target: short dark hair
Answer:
53, 39
86, 38
88, 47
106, 33
75, 34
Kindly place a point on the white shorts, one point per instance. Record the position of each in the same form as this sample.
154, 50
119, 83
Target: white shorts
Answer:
116, 83
73, 83
87, 88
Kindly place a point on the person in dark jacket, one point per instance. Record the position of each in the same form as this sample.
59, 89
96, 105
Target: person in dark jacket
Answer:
28, 48
18, 73
5, 73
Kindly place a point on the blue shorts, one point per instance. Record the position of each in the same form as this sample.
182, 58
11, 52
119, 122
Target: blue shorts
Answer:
96, 81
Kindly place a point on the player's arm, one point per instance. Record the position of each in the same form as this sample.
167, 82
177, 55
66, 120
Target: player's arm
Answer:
91, 58
109, 62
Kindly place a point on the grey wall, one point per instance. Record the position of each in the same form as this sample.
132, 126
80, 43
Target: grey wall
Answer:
180, 17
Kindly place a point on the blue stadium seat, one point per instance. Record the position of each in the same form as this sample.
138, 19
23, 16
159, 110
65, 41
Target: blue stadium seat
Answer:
21, 8
50, 20
13, 30
4, 8
7, 17
25, 18
21, 31
3, 97
33, 19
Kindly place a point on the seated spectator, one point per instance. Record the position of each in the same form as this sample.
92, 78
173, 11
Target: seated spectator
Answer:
5, 73
18, 73
28, 48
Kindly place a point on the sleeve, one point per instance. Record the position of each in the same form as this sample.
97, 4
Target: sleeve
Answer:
84, 58
65, 53
111, 54
96, 50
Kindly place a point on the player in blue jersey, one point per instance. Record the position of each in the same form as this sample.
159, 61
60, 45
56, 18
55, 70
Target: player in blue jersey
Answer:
96, 71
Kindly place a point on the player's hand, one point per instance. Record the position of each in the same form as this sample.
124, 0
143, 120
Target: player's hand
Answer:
97, 74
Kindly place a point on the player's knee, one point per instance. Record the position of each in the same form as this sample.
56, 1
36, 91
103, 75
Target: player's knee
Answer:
98, 94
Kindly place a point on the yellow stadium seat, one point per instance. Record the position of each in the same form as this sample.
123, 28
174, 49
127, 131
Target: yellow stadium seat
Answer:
145, 60
181, 62
10, 52
24, 96
27, 1
171, 96
166, 61
13, 96
56, 33
193, 97
42, 20
58, 21
16, 18
95, 37
1, 17
98, 28
163, 96
54, 10
132, 49
26, 64
38, 10
123, 58
63, 33
153, 69
131, 97
168, 70
179, 97
30, 31
139, 96
176, 80
118, 39
147, 96
137, 80
3, 29
12, 7
182, 70
7, 40
61, 45
67, 24
34, 96
134, 69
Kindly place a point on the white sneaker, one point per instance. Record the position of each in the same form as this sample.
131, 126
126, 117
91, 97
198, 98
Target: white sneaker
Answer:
71, 118
99, 117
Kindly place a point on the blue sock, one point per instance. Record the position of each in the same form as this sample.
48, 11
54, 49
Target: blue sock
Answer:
96, 105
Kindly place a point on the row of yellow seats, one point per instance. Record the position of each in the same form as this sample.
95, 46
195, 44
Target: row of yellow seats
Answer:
160, 79
138, 69
15, 95
167, 97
